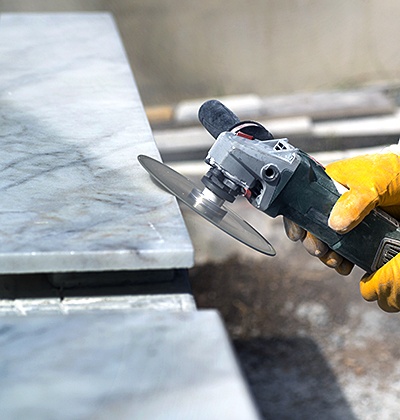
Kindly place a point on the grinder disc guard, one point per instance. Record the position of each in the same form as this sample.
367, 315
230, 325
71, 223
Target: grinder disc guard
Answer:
204, 205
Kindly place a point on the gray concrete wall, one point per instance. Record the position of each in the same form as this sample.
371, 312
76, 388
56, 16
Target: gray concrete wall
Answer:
183, 49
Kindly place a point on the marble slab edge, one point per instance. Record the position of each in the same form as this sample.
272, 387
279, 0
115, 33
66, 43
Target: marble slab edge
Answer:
59, 262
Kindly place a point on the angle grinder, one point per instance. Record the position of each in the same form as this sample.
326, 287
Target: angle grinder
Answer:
277, 179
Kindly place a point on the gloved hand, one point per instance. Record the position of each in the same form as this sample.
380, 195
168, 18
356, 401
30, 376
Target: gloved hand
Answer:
373, 181
317, 248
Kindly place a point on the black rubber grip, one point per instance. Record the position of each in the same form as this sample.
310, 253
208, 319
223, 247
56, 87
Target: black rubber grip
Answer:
216, 117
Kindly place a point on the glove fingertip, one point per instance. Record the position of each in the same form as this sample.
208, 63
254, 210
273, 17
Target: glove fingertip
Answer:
385, 307
293, 231
367, 288
349, 211
345, 268
336, 223
314, 246
339, 219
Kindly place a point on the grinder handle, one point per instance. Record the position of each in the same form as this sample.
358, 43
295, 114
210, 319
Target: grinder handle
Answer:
308, 198
216, 117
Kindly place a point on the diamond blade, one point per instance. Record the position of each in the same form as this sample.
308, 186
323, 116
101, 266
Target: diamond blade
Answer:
219, 215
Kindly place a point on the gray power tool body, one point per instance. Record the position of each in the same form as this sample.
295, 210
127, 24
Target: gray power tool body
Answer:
279, 179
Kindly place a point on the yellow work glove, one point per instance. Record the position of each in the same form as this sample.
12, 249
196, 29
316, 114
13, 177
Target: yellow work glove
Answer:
372, 181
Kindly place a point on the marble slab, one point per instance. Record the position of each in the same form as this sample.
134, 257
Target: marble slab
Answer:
124, 365
51, 306
72, 194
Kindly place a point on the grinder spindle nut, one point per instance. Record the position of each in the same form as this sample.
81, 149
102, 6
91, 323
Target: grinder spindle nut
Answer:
221, 186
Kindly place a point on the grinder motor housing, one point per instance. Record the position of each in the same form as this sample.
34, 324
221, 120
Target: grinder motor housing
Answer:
279, 179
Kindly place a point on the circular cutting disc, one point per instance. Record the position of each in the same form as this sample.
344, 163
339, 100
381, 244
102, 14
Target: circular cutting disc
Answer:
219, 215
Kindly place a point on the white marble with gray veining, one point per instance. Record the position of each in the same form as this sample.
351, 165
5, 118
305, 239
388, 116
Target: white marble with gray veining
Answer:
120, 364
72, 194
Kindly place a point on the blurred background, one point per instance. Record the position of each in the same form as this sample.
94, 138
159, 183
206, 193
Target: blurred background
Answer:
181, 49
